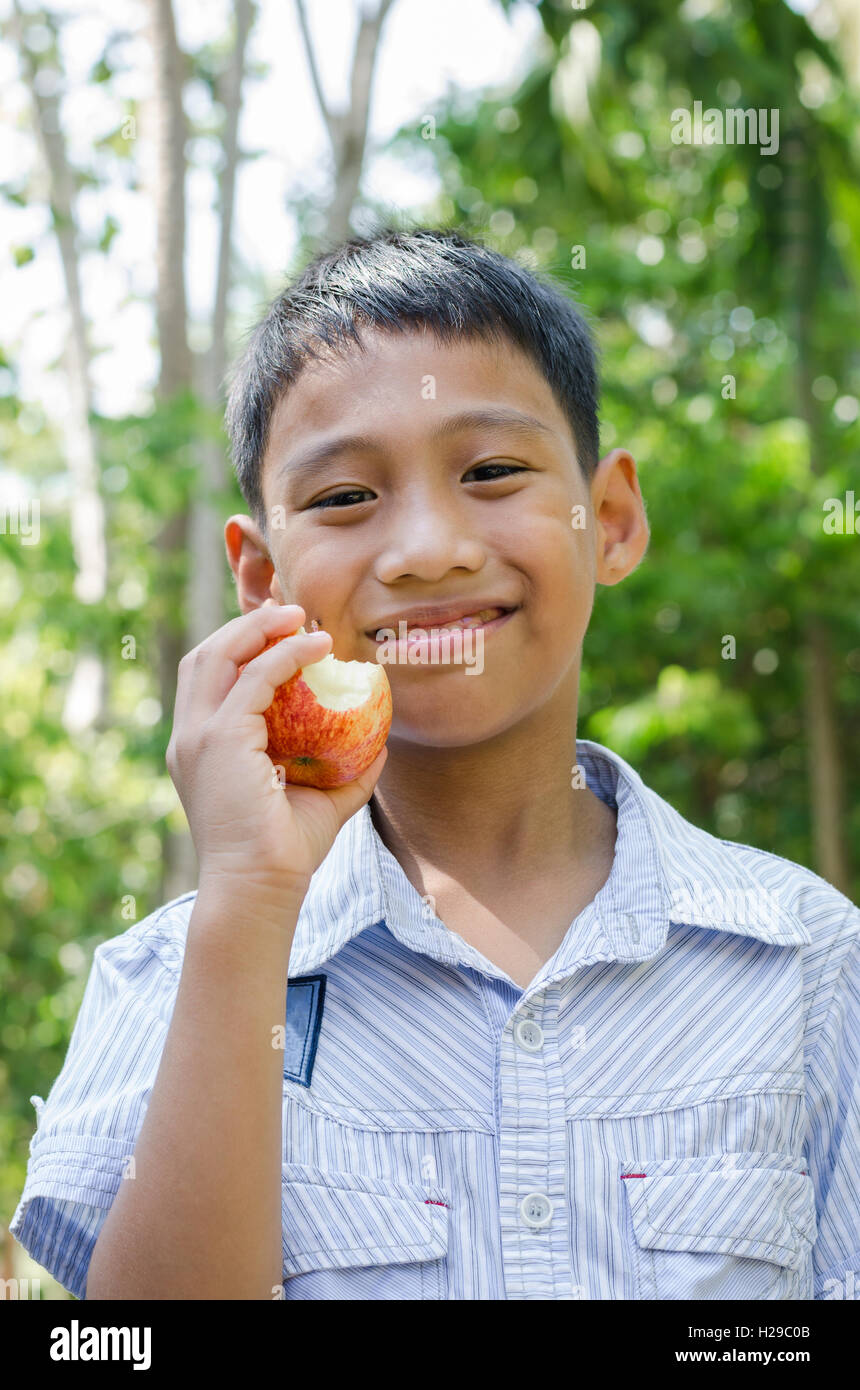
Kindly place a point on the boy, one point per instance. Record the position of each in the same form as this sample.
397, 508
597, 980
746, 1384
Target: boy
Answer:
544, 1038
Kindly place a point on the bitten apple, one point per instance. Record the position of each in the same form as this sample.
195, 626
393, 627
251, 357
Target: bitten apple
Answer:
328, 722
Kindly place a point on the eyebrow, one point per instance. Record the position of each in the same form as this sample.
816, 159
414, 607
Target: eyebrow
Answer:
313, 461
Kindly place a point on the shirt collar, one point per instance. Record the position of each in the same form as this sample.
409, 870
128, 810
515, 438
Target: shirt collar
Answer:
665, 870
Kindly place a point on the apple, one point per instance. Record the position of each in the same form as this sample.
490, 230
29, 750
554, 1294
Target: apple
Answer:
328, 722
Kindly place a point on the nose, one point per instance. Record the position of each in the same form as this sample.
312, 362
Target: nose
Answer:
427, 538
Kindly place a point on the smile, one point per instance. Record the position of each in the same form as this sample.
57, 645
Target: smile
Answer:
486, 621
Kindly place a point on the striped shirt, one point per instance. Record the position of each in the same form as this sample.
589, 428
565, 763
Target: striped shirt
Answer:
668, 1111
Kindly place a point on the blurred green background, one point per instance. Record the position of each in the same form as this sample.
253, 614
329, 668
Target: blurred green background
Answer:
721, 283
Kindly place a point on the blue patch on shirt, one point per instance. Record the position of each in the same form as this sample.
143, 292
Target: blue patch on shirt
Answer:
305, 995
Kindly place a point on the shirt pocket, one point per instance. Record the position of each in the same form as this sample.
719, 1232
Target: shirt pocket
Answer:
729, 1226
347, 1236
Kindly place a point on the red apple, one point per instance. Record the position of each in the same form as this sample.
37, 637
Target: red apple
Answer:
328, 722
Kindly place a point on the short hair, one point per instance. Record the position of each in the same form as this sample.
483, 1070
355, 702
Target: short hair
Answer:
398, 281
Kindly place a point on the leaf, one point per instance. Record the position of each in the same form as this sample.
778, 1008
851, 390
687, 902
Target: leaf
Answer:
109, 231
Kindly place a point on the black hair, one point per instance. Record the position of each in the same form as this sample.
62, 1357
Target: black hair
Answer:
401, 280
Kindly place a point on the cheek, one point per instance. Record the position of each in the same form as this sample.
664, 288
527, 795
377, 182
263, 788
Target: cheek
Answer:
325, 576
319, 573
560, 563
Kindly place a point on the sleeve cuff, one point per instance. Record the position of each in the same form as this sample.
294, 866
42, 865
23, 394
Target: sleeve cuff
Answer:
71, 1185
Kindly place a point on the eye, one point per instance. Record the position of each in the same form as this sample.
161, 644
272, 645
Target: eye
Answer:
502, 469
336, 498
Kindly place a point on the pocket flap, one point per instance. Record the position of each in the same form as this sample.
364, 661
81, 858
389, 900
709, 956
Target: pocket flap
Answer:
757, 1212
345, 1220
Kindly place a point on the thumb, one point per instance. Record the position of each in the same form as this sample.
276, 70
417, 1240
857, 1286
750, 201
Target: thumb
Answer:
355, 794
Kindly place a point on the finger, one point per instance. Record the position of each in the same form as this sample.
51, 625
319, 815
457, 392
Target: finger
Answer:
255, 689
212, 673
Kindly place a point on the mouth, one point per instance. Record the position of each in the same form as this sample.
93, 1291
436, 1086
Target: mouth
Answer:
484, 619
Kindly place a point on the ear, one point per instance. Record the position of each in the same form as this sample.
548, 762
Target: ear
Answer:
257, 583
621, 526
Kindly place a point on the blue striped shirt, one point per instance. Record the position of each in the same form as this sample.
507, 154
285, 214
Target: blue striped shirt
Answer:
668, 1111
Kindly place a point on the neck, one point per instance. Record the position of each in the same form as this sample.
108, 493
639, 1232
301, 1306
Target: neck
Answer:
503, 804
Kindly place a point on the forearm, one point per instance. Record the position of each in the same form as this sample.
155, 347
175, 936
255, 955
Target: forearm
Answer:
201, 1217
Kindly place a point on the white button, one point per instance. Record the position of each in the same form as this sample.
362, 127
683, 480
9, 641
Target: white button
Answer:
536, 1209
529, 1034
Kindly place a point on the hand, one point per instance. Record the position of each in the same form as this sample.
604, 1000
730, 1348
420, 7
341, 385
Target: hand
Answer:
245, 826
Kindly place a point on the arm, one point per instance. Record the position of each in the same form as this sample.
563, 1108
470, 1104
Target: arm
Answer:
201, 1218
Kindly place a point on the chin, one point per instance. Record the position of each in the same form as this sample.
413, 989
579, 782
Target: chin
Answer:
449, 725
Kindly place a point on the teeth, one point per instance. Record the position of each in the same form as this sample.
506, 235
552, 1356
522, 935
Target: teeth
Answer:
486, 615
473, 620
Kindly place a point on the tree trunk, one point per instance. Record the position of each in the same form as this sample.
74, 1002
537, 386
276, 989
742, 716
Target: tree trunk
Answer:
86, 694
207, 558
347, 130
802, 261
825, 762
168, 134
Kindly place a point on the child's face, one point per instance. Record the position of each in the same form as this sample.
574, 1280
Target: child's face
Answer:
403, 429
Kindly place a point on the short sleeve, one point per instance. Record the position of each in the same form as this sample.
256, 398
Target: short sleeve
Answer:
833, 1134
87, 1128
